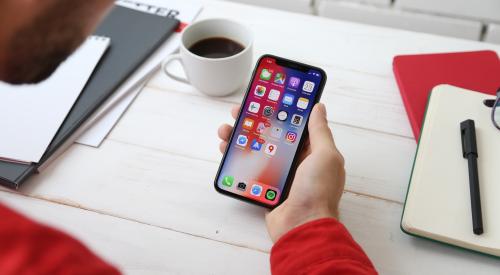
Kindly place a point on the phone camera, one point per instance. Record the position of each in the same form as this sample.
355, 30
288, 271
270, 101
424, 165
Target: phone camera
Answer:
242, 186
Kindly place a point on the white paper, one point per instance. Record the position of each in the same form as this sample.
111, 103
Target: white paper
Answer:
185, 12
30, 115
98, 132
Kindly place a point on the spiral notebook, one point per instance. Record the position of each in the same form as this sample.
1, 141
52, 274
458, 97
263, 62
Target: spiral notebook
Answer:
438, 203
30, 115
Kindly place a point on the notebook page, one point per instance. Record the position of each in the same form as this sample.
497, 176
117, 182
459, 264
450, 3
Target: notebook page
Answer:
30, 115
438, 203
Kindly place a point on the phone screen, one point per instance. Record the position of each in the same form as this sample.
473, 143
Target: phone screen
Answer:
269, 130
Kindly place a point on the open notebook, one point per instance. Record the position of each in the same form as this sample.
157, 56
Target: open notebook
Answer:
438, 204
30, 115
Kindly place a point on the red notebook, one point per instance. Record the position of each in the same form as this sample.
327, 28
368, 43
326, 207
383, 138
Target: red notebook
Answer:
418, 74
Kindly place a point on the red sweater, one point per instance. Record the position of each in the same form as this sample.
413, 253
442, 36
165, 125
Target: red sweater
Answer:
319, 247
322, 246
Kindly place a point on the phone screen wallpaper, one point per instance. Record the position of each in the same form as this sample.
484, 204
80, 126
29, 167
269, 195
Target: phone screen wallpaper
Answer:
268, 131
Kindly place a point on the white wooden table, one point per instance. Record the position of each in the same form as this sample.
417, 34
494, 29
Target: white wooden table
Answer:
145, 200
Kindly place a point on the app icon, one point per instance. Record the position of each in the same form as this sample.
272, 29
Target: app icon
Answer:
282, 115
265, 74
260, 90
276, 132
254, 107
302, 103
268, 111
241, 186
274, 95
270, 149
248, 124
256, 190
242, 140
228, 181
291, 136
308, 86
297, 119
270, 194
279, 78
261, 127
294, 82
288, 99
256, 145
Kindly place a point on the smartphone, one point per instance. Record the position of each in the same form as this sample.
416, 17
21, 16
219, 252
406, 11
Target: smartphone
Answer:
260, 159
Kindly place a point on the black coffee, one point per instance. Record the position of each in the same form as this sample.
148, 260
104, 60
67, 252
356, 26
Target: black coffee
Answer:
216, 47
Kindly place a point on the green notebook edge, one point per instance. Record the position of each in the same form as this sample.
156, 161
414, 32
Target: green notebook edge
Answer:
408, 190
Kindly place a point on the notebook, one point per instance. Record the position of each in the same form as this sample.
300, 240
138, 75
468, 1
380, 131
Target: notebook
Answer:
135, 36
416, 75
32, 114
185, 12
438, 204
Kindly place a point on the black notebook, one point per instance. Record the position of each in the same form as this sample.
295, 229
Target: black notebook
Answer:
134, 37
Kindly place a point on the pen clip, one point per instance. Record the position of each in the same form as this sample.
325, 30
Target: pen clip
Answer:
468, 133
462, 134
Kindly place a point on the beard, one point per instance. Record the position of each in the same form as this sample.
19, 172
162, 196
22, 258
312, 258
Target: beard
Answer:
40, 46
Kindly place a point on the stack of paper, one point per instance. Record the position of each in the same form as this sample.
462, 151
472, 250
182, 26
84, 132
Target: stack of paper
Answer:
101, 125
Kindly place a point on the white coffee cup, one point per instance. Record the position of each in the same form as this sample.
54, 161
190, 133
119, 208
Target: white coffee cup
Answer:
214, 76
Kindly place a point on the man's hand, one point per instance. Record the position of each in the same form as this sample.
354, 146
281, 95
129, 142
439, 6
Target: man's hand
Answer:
319, 179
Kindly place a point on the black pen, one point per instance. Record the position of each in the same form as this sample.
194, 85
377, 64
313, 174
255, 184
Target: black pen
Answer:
469, 150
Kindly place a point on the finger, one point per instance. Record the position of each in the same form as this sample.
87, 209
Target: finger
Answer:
306, 151
222, 146
224, 132
320, 136
235, 111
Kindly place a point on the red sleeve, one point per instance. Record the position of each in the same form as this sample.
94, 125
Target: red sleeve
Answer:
31, 248
322, 246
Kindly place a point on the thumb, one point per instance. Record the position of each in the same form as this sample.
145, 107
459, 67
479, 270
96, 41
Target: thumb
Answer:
320, 135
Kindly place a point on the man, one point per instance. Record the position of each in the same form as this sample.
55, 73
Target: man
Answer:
37, 35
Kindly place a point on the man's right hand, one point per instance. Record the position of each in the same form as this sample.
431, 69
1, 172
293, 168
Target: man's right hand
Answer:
319, 180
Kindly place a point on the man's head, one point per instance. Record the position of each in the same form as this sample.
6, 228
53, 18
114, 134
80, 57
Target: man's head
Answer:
37, 35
